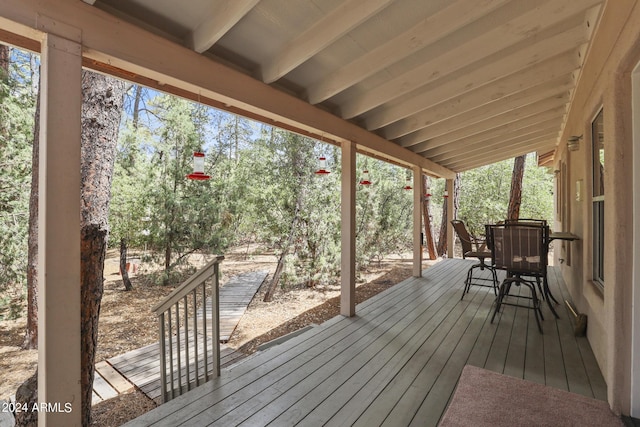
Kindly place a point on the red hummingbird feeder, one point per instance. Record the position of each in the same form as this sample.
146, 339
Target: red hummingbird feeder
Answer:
198, 168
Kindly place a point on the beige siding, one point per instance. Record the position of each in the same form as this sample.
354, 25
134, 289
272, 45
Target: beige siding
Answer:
605, 83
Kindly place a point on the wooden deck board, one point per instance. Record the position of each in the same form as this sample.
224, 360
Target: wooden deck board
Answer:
534, 353
113, 377
373, 357
395, 363
322, 362
406, 376
448, 378
234, 298
357, 394
142, 366
145, 372
330, 333
102, 388
445, 340
575, 351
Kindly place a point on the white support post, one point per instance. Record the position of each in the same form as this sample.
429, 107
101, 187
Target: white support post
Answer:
450, 217
59, 233
418, 191
348, 230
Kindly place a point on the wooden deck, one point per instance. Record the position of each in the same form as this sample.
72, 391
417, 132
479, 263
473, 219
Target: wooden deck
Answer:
395, 364
235, 297
141, 367
108, 383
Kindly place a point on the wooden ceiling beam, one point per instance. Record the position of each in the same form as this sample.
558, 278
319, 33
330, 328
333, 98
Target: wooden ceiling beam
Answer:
218, 22
522, 105
496, 134
494, 126
513, 150
553, 70
498, 143
109, 40
541, 147
432, 28
325, 31
530, 21
470, 78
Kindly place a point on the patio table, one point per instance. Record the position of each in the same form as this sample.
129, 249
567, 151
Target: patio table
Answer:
556, 235
562, 235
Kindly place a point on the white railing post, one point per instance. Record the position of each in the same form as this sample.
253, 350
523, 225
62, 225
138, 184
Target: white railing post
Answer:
173, 383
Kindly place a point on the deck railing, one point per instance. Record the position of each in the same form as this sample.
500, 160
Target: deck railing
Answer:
189, 354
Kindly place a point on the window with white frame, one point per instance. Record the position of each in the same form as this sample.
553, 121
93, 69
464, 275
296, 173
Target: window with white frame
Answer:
597, 142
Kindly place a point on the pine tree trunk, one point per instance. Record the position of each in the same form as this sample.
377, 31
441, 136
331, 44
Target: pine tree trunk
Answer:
298, 162
515, 197
4, 60
168, 253
442, 238
101, 111
27, 396
442, 235
123, 265
31, 335
136, 106
426, 214
285, 250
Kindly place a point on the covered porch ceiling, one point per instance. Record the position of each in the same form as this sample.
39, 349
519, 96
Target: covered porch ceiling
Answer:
463, 83
443, 85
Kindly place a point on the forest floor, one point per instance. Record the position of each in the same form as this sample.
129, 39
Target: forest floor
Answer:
127, 323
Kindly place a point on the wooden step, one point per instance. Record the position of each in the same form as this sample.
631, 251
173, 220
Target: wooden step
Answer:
113, 377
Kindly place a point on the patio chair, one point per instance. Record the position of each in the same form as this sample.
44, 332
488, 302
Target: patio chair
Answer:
473, 247
526, 221
520, 249
546, 293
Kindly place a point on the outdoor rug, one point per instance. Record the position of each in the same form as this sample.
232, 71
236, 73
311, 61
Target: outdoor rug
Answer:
486, 398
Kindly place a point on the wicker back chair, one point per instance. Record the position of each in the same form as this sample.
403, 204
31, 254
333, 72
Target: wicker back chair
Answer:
473, 247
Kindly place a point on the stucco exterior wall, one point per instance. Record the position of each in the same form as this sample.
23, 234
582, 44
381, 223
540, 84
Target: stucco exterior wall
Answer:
605, 83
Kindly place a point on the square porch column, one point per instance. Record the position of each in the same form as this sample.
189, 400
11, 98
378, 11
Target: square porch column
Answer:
348, 231
418, 192
59, 232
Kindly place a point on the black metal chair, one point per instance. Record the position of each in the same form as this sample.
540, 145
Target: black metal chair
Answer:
526, 221
521, 250
473, 247
544, 287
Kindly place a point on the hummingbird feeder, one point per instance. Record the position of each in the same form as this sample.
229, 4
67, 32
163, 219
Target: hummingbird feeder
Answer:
365, 180
408, 186
198, 168
322, 166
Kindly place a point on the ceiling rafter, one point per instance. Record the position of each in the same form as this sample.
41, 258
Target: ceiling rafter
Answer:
429, 30
514, 104
327, 30
492, 40
429, 83
491, 135
545, 129
138, 51
511, 85
493, 126
470, 78
221, 19
525, 147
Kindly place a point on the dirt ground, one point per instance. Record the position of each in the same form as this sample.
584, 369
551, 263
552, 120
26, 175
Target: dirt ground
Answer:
127, 323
